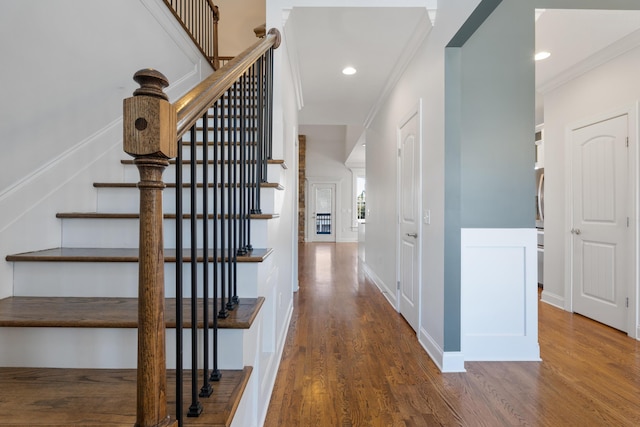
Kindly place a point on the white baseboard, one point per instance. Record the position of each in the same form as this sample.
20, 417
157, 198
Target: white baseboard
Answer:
386, 291
347, 240
552, 299
446, 361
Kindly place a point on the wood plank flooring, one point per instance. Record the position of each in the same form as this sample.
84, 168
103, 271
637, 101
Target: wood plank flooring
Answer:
351, 360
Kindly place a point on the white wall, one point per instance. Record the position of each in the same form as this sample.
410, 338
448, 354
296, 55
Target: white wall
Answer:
609, 87
66, 67
325, 161
423, 78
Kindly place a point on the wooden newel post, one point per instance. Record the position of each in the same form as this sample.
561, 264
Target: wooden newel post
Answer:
150, 137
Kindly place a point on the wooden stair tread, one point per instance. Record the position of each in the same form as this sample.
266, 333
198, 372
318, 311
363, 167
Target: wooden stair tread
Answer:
120, 255
94, 312
103, 397
275, 185
116, 215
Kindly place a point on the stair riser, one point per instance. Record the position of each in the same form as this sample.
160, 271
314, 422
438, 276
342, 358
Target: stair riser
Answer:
97, 348
126, 200
131, 174
104, 279
123, 233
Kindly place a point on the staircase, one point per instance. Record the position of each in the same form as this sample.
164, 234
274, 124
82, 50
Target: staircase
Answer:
69, 351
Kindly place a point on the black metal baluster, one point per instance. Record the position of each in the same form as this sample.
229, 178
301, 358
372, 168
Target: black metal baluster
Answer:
179, 288
269, 153
234, 210
242, 247
223, 313
252, 157
231, 191
206, 389
215, 372
260, 140
196, 408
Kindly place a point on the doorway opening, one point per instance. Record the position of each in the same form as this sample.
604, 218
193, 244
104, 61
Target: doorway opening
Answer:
586, 87
322, 219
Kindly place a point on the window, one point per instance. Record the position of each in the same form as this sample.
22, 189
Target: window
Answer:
359, 200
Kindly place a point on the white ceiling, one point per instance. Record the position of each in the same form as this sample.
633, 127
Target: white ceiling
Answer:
325, 40
580, 40
328, 39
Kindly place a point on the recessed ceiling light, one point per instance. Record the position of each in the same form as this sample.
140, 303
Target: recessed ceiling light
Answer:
349, 71
541, 55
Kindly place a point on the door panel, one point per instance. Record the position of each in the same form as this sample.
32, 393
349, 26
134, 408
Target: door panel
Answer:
600, 224
322, 221
409, 183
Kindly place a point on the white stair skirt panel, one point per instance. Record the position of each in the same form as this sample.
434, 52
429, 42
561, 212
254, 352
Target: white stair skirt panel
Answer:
499, 295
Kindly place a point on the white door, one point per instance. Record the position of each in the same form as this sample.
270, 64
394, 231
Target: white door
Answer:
322, 221
600, 221
409, 216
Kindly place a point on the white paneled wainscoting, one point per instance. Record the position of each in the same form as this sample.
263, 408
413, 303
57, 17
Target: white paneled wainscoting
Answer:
499, 297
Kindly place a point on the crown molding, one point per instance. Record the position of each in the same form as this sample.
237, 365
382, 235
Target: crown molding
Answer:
601, 57
292, 53
432, 9
424, 27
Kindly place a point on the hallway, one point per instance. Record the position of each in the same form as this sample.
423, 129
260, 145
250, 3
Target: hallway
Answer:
351, 360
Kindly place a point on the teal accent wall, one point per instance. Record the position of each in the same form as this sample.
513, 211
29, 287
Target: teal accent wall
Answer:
452, 207
489, 127
497, 153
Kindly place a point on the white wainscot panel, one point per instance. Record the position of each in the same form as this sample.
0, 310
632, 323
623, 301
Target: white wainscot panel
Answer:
499, 298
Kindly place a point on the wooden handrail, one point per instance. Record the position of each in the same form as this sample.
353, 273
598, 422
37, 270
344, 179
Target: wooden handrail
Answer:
196, 102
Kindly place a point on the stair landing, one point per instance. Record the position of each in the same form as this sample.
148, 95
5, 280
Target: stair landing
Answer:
101, 397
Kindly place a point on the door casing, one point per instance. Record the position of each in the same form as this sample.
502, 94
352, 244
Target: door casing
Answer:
633, 273
310, 220
417, 111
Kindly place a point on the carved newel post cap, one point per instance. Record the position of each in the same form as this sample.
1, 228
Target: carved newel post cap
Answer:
149, 118
260, 31
152, 82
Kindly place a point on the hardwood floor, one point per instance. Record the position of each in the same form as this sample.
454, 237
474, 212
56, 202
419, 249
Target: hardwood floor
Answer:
351, 360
